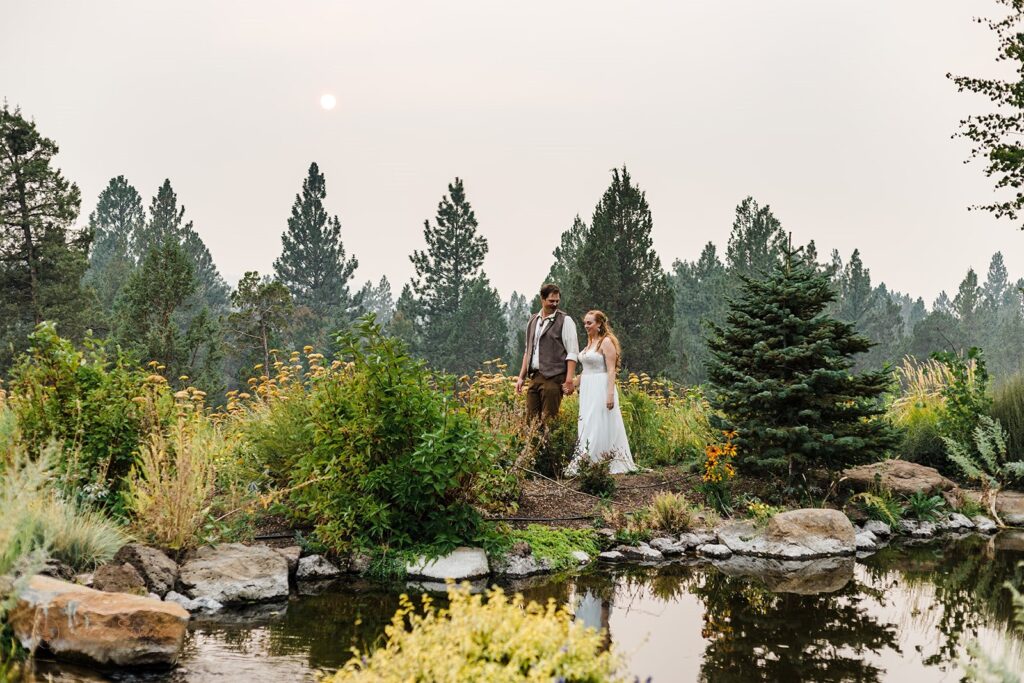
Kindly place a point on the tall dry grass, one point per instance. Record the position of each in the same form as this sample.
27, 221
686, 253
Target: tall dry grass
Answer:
1008, 408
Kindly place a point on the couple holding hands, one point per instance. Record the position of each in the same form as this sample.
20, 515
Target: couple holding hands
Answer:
549, 363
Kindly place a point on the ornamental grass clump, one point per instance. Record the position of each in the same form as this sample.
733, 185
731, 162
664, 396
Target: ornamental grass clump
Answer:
490, 638
671, 512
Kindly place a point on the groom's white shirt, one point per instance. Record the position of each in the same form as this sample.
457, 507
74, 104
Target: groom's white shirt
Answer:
570, 340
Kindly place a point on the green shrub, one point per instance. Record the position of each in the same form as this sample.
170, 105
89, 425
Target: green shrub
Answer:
393, 459
558, 444
671, 512
881, 505
1008, 408
83, 400
966, 396
473, 639
923, 507
664, 428
595, 478
920, 425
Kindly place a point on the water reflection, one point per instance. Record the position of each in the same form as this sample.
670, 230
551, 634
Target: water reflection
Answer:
903, 614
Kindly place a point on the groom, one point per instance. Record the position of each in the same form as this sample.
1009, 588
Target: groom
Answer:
552, 350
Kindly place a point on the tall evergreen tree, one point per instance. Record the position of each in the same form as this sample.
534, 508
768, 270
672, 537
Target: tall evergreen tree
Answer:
780, 373
42, 258
449, 286
757, 240
870, 309
566, 271
314, 265
377, 300
517, 315
621, 274
700, 298
116, 225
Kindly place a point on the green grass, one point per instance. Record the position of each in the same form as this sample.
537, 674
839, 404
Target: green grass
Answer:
1008, 408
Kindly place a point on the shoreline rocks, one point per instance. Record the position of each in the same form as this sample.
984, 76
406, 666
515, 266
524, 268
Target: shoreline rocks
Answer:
797, 534
82, 624
461, 563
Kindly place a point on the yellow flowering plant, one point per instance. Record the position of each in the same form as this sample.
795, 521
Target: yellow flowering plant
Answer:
719, 472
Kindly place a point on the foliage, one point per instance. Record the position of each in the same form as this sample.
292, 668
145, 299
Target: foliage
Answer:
995, 134
262, 308
923, 507
881, 505
1008, 409
554, 544
619, 272
42, 258
170, 488
393, 459
986, 461
115, 225
917, 412
966, 395
700, 297
473, 639
565, 270
313, 264
559, 440
666, 424
780, 372
760, 512
84, 401
671, 512
719, 472
595, 478
871, 310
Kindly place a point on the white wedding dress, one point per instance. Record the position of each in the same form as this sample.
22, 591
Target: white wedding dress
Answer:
602, 435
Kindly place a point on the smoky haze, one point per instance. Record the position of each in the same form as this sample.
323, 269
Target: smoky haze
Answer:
837, 114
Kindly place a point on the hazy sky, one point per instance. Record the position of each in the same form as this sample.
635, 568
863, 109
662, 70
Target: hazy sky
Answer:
837, 114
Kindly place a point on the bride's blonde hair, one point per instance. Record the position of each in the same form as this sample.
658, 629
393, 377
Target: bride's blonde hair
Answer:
604, 329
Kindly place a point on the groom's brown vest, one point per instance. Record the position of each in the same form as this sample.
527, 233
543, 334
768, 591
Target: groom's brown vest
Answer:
552, 352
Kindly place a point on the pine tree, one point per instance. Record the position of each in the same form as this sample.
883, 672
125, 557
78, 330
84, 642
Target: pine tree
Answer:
757, 240
967, 299
621, 274
780, 373
870, 309
167, 221
116, 224
566, 271
700, 298
313, 264
449, 286
517, 316
42, 258
260, 319
377, 300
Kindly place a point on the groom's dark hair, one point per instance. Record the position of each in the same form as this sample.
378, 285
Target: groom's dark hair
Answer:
547, 289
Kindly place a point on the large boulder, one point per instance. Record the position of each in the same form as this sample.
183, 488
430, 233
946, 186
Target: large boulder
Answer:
234, 573
316, 568
797, 534
461, 563
78, 623
117, 577
1009, 504
158, 571
899, 476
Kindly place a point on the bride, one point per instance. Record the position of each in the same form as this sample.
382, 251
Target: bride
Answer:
602, 435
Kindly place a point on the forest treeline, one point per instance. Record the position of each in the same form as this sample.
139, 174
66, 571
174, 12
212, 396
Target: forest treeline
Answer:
139, 276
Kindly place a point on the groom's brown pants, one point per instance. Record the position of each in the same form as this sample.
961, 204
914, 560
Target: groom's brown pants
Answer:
544, 396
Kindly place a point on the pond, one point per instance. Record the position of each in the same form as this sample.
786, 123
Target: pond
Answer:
906, 613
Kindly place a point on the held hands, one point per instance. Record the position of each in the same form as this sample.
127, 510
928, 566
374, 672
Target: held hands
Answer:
568, 387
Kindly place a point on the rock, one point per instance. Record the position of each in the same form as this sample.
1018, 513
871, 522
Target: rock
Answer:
984, 524
662, 543
581, 557
291, 555
606, 533
75, 622
316, 568
233, 573
866, 540
924, 530
118, 578
696, 538
461, 563
56, 569
1009, 505
158, 571
878, 528
611, 556
714, 550
642, 552
797, 534
204, 604
84, 579
899, 476
517, 566
955, 522
803, 577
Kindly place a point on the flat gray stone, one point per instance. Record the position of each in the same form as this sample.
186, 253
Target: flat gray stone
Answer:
611, 556
955, 521
867, 541
714, 550
642, 553
797, 534
234, 573
924, 530
519, 566
662, 542
316, 568
581, 557
984, 524
291, 555
204, 605
693, 539
879, 528
461, 563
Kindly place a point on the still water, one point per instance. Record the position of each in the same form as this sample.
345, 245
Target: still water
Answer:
906, 613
